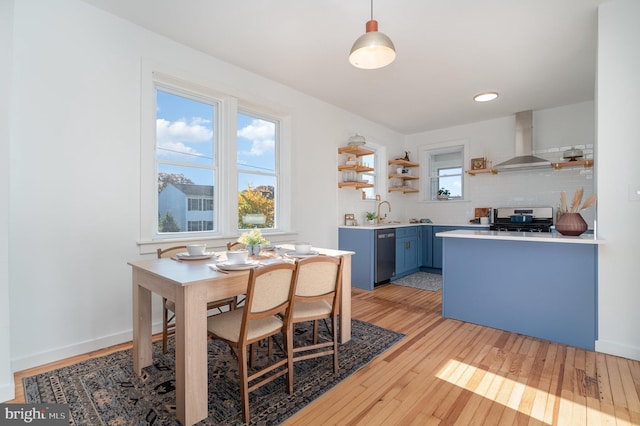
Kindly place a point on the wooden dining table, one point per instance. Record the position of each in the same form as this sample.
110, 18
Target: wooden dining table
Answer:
191, 284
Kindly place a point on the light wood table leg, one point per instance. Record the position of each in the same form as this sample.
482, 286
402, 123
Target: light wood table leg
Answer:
142, 349
191, 354
345, 301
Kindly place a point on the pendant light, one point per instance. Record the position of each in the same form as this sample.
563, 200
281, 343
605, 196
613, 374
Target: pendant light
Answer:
373, 49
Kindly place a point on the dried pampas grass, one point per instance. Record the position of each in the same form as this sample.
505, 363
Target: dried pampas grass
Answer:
575, 202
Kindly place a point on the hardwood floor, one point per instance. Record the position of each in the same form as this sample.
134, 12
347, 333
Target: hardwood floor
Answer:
449, 372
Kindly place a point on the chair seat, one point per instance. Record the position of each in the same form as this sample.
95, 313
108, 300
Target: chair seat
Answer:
227, 326
311, 309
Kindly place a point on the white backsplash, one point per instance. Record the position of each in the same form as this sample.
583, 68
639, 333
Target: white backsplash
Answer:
555, 131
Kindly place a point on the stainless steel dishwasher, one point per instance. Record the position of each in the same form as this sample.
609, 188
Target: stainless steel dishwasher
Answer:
385, 255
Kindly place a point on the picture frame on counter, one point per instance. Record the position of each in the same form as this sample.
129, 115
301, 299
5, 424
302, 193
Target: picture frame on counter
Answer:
350, 219
478, 163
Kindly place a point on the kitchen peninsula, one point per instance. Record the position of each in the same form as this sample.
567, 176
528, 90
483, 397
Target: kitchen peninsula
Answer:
538, 284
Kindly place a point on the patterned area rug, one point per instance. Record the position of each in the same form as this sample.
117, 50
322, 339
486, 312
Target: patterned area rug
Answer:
105, 390
421, 280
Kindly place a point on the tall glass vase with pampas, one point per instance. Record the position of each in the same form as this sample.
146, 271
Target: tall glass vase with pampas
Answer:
571, 222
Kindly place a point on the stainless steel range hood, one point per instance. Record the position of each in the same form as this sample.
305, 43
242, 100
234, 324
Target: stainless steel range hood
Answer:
524, 159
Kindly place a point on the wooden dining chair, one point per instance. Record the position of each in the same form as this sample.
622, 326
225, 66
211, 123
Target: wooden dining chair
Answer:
235, 245
318, 285
270, 291
169, 306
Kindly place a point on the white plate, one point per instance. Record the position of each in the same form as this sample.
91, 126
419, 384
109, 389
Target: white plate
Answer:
187, 256
297, 255
226, 266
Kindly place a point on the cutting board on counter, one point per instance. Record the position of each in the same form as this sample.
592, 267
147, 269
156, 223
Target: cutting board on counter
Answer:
482, 211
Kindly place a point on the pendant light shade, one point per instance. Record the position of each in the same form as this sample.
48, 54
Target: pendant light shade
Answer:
373, 49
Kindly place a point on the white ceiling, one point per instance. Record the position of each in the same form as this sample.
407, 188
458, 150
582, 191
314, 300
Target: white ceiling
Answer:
536, 53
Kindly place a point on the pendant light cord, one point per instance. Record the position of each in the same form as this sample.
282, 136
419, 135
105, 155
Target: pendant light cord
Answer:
372, 10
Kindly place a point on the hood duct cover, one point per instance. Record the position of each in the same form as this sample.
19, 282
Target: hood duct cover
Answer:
524, 146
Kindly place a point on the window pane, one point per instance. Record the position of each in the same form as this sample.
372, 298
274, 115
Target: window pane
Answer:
370, 177
256, 204
185, 163
445, 172
257, 174
451, 180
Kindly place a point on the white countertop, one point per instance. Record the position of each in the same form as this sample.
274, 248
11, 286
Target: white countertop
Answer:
541, 237
401, 225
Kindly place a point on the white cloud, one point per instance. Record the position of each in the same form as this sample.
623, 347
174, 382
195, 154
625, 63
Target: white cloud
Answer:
174, 135
261, 134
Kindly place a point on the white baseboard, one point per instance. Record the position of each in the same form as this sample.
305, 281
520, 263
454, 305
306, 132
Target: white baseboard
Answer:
7, 391
617, 349
58, 354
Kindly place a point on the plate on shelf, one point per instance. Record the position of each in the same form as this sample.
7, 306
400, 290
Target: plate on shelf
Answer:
297, 255
226, 266
187, 256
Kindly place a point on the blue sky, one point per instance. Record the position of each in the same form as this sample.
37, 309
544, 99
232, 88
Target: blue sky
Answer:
184, 133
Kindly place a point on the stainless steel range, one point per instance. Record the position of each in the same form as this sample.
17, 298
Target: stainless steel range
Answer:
522, 219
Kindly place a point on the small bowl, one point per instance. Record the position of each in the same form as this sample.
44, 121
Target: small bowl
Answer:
237, 257
302, 248
196, 249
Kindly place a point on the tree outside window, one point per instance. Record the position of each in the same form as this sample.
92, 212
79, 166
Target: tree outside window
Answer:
257, 171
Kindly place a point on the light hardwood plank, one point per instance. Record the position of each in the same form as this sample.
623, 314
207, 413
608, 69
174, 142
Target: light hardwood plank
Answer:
446, 372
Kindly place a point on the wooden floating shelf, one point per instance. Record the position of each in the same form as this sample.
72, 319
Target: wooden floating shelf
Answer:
474, 172
403, 176
356, 168
403, 189
358, 151
404, 163
356, 185
584, 163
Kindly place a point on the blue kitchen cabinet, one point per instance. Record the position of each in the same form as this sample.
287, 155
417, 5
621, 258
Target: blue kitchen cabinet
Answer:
407, 251
426, 244
437, 242
363, 261
556, 302
436, 245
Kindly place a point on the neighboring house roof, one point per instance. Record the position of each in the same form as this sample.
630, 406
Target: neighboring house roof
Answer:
194, 190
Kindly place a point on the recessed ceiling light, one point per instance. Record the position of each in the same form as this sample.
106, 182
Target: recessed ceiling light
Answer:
485, 96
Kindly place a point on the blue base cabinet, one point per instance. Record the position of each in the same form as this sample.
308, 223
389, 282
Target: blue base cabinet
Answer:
361, 242
545, 290
407, 251
436, 243
427, 246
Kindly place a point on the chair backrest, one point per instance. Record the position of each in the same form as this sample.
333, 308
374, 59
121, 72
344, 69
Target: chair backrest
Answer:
235, 245
171, 251
319, 277
270, 290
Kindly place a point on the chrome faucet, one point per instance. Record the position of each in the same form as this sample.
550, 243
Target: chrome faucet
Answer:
384, 202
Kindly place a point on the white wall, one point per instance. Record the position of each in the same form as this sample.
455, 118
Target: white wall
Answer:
554, 130
75, 115
75, 192
6, 39
618, 98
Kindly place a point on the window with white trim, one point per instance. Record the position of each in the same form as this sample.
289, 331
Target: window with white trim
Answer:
445, 172
199, 160
185, 163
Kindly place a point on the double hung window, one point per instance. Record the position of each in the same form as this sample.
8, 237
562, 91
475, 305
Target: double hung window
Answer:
217, 166
445, 172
